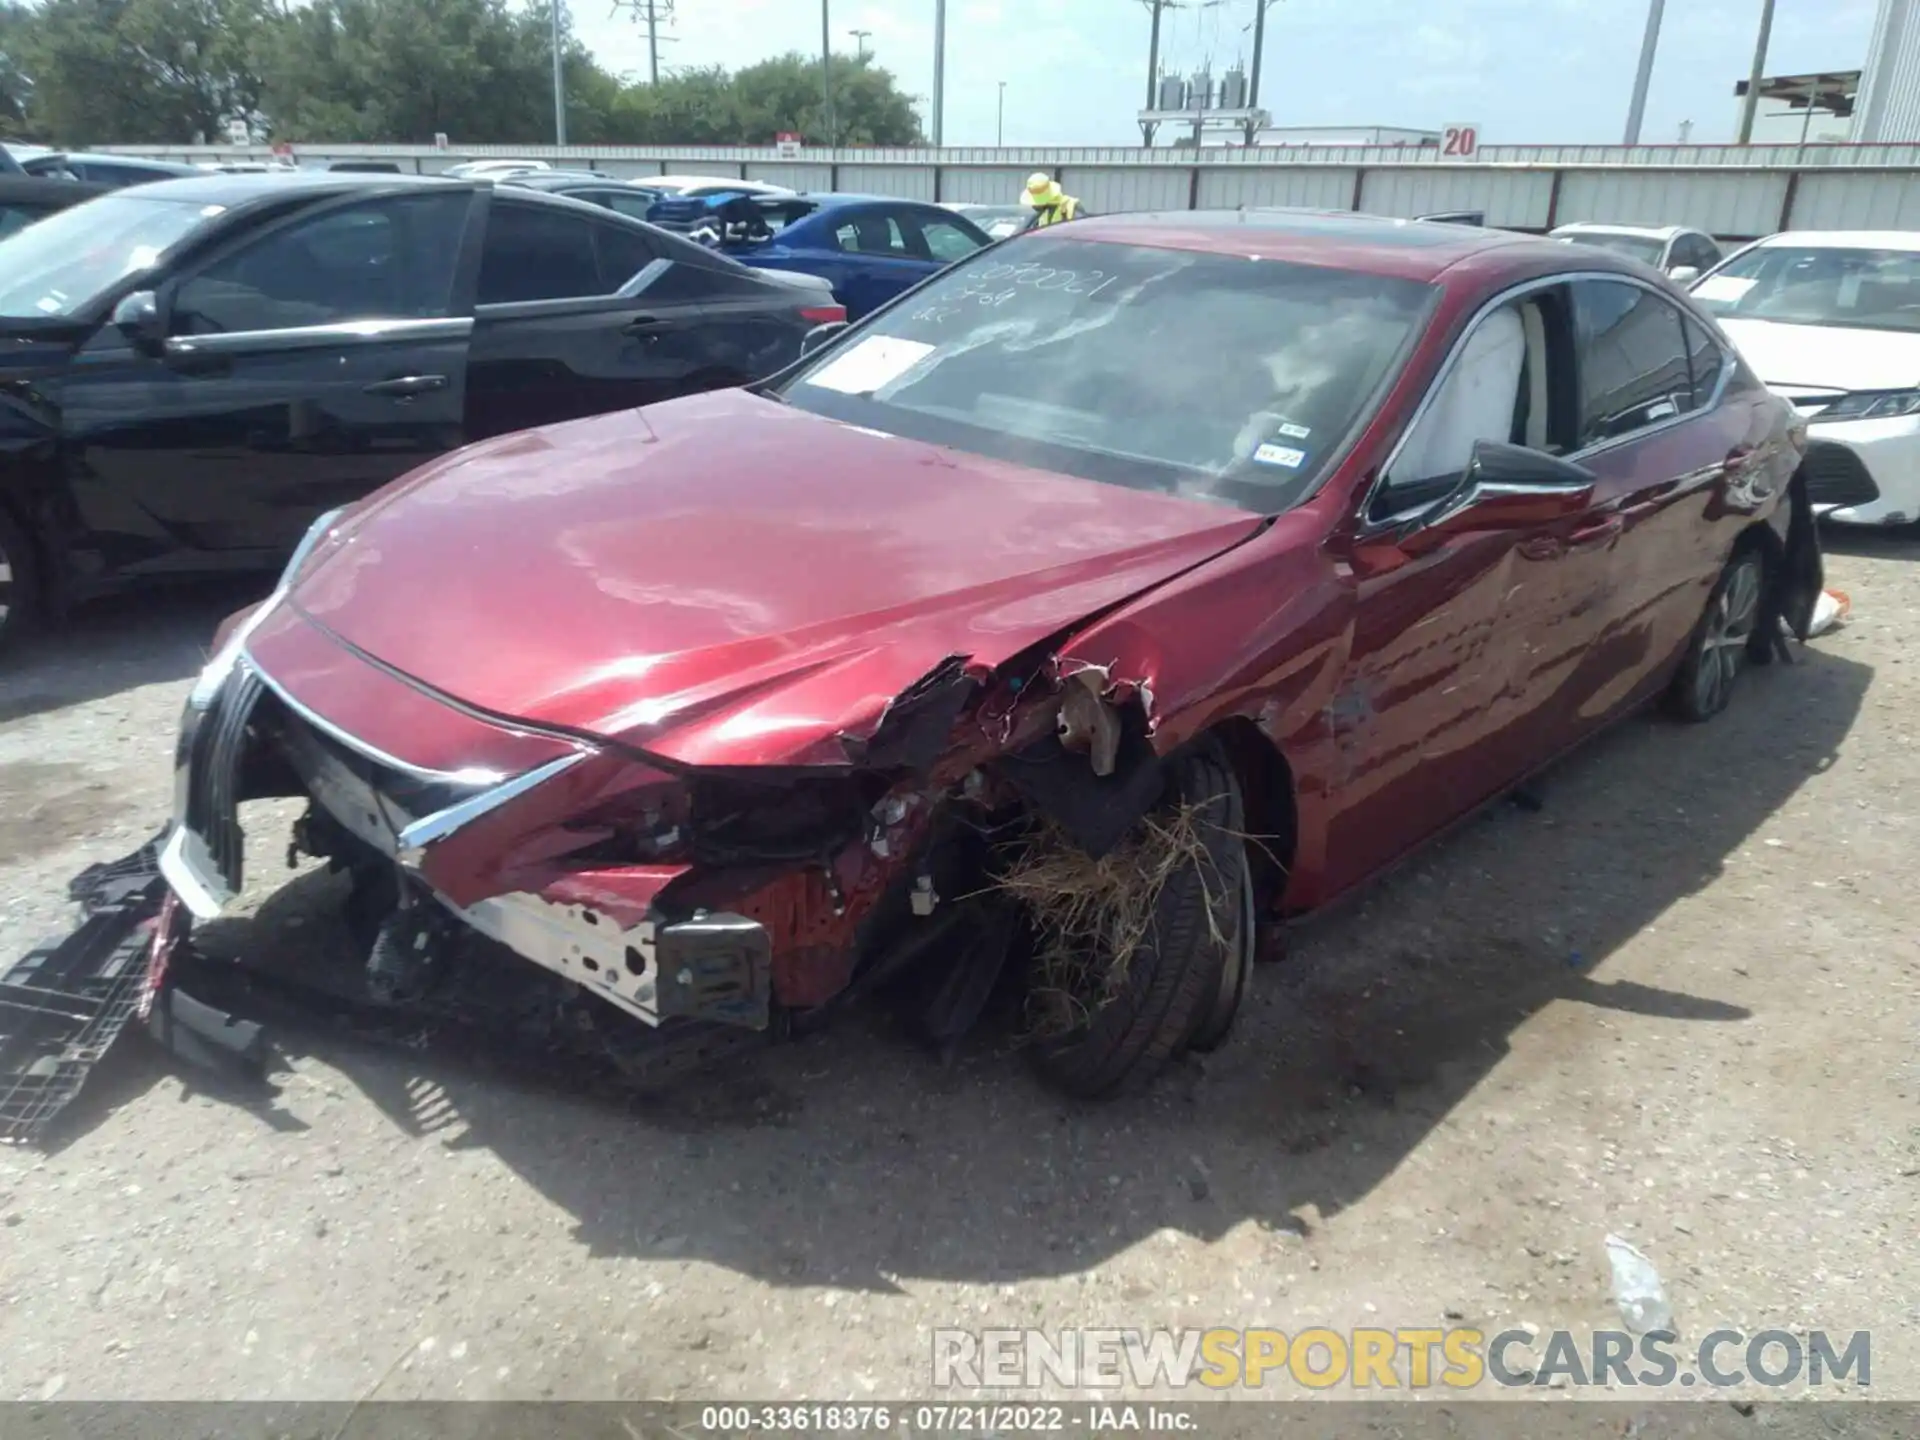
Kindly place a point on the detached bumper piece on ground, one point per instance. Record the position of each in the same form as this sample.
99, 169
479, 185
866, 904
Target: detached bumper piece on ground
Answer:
64, 1003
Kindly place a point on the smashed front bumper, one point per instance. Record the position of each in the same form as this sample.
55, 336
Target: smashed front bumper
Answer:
703, 966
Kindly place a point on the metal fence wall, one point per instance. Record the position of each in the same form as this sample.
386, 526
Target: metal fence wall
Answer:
1730, 191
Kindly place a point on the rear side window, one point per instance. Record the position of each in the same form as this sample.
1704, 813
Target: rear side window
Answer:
1701, 253
872, 234
624, 254
1705, 359
1633, 361
946, 241
533, 253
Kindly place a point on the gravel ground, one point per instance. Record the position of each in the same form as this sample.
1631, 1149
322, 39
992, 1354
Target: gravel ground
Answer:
1678, 1003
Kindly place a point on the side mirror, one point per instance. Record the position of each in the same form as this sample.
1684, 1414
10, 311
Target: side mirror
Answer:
820, 335
1507, 487
138, 317
1684, 274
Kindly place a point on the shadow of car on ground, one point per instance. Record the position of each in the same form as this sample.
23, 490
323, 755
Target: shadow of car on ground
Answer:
853, 1157
119, 643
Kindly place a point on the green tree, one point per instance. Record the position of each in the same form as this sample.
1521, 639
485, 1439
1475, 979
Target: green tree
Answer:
143, 71
16, 85
402, 70
785, 93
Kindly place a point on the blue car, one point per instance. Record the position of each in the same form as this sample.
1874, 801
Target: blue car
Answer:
868, 247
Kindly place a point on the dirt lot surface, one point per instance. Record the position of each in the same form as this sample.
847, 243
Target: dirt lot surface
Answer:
1678, 1003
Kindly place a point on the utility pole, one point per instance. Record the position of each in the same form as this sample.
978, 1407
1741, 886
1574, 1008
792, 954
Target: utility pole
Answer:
1259, 44
939, 70
1000, 117
1637, 109
653, 14
826, 74
860, 41
1154, 7
559, 82
1758, 73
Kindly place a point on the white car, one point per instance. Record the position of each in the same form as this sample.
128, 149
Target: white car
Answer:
693, 187
494, 169
1681, 252
1831, 321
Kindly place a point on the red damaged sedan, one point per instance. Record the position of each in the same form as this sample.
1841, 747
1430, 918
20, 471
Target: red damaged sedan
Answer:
1116, 589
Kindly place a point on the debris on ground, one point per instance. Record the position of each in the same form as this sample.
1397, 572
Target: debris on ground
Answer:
1832, 610
1637, 1289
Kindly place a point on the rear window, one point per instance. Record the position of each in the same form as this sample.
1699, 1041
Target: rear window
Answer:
1208, 376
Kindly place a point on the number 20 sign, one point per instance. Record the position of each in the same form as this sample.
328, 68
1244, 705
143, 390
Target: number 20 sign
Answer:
1460, 142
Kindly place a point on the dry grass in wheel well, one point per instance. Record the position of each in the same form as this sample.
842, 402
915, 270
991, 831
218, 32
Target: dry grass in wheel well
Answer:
1090, 917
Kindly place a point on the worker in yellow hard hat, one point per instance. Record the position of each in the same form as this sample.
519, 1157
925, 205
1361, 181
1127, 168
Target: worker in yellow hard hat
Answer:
1049, 203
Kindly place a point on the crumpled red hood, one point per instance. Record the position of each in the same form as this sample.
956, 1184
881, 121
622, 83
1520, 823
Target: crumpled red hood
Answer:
725, 580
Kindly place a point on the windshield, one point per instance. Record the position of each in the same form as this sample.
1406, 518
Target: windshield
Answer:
1818, 285
54, 268
1208, 376
1638, 247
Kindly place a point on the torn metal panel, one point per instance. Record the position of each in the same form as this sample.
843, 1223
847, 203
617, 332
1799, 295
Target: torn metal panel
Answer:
917, 726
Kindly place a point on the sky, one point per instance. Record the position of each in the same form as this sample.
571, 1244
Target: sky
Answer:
1525, 71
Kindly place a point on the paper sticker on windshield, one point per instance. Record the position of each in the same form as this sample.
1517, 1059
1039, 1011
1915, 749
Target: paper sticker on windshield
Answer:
1723, 287
869, 365
1281, 455
1295, 432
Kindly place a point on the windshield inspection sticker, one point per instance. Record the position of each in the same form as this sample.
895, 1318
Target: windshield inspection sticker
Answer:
1280, 455
1295, 432
869, 365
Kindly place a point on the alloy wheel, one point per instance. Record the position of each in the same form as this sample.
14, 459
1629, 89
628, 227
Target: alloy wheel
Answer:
1730, 622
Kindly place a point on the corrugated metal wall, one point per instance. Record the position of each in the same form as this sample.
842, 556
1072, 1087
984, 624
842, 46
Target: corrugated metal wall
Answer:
1718, 204
1108, 189
1322, 187
1726, 190
909, 182
1840, 202
799, 177
980, 185
1519, 198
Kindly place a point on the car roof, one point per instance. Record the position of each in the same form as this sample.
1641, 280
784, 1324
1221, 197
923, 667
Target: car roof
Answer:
214, 187
553, 179
1602, 227
688, 182
1846, 239
137, 162
1338, 239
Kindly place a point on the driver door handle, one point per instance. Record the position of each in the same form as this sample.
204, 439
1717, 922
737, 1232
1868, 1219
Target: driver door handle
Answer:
643, 325
406, 387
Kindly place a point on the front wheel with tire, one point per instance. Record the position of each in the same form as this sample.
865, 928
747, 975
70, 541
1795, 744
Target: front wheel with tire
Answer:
1108, 1012
19, 581
1721, 643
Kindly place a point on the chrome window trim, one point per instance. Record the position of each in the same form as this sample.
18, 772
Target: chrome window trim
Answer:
311, 337
326, 727
1506, 297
